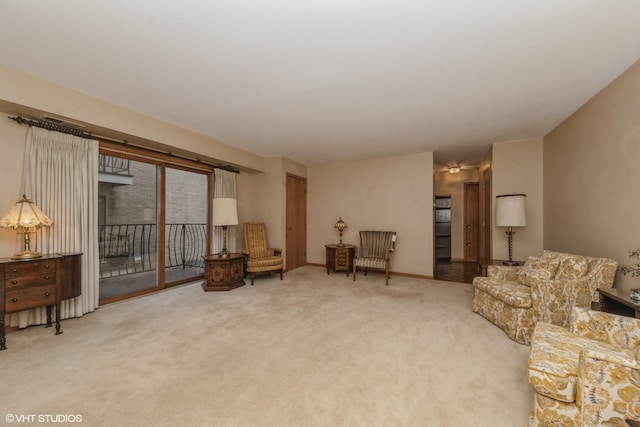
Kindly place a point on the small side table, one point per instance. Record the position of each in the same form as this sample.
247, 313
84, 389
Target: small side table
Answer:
340, 258
484, 263
223, 274
616, 301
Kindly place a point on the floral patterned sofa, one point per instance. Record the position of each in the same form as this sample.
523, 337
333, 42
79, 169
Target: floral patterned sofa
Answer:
588, 375
544, 289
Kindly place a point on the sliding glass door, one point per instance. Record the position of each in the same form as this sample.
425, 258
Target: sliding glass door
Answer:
153, 227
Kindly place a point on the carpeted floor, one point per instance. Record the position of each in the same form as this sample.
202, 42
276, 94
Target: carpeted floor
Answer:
311, 350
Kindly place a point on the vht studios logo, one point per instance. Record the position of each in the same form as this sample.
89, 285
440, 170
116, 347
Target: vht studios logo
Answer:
43, 418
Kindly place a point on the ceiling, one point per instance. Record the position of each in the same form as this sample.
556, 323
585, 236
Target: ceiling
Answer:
322, 81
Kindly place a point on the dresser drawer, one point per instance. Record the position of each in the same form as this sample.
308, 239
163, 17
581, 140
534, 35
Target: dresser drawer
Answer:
25, 298
18, 282
32, 268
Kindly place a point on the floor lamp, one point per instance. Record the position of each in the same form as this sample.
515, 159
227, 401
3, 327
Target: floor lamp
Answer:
225, 213
510, 212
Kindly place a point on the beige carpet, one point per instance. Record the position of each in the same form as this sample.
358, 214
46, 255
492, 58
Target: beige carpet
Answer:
311, 350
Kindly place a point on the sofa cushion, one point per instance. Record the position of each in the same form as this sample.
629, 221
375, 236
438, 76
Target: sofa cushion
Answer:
553, 361
539, 267
512, 293
572, 267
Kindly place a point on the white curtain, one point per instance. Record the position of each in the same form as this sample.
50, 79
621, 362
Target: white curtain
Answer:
60, 175
224, 185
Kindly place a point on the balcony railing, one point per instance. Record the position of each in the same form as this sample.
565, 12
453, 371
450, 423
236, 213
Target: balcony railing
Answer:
113, 165
185, 245
132, 248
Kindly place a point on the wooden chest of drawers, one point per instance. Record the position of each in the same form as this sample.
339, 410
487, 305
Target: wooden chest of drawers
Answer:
39, 282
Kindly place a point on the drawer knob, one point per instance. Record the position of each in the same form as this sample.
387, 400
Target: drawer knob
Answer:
15, 300
46, 277
46, 294
46, 266
15, 282
15, 270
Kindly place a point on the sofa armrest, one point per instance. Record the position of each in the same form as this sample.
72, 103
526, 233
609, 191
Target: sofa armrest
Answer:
601, 275
503, 272
609, 388
620, 331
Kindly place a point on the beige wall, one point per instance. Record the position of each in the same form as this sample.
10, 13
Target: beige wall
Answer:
448, 184
392, 193
262, 197
12, 143
592, 176
517, 168
21, 93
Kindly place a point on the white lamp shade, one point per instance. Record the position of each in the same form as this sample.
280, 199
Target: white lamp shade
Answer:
225, 211
510, 210
24, 214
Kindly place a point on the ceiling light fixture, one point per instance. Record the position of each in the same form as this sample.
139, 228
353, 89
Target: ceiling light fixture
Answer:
454, 169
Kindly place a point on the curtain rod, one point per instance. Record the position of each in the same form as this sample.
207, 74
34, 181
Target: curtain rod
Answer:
44, 124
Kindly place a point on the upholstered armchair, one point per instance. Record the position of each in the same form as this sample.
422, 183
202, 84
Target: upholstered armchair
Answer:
587, 375
260, 257
375, 250
544, 289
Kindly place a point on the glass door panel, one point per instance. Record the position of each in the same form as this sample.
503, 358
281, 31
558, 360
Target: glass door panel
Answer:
127, 227
185, 225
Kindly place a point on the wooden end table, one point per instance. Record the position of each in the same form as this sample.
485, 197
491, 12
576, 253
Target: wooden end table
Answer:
485, 262
616, 301
223, 274
340, 258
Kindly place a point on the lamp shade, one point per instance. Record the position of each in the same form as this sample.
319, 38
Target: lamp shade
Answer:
24, 214
340, 225
225, 211
510, 210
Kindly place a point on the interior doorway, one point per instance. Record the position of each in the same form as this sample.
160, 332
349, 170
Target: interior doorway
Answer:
486, 214
457, 230
471, 221
296, 222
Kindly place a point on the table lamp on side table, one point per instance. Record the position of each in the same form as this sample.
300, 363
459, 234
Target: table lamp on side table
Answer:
225, 213
510, 212
25, 217
340, 226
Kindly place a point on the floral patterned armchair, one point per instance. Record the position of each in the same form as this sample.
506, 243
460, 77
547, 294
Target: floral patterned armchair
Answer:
544, 289
588, 375
260, 258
